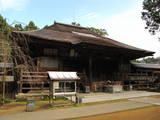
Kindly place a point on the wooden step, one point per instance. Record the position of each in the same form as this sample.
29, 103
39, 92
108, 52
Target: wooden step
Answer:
34, 73
32, 83
34, 79
35, 88
31, 76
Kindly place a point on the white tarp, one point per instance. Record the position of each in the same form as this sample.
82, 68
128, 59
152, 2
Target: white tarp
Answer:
85, 34
58, 75
7, 65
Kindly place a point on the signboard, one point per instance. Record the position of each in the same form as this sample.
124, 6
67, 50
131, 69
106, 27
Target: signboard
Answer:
56, 85
7, 78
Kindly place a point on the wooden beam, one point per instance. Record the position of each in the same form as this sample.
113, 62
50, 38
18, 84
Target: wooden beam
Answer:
90, 72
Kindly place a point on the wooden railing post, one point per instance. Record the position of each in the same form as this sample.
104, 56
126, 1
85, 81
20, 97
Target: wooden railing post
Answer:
20, 81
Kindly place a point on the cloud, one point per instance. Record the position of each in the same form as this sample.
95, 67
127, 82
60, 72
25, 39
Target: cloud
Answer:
84, 14
90, 15
13, 4
127, 27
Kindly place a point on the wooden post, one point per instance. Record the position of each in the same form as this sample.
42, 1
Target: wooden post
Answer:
51, 91
75, 86
64, 87
4, 69
90, 72
4, 83
20, 81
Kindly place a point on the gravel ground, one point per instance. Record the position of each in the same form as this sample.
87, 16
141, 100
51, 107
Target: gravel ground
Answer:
96, 97
92, 109
75, 112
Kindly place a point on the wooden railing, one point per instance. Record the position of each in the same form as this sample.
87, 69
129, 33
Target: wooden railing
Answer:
33, 81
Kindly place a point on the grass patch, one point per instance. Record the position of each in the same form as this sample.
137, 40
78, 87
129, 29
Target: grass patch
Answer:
92, 103
60, 98
21, 100
107, 101
43, 104
7, 101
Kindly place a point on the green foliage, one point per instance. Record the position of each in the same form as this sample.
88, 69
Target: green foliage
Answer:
1, 100
148, 60
19, 27
75, 24
151, 60
5, 101
4, 27
5, 38
135, 61
45, 27
31, 26
101, 32
21, 100
5, 30
61, 98
151, 14
56, 99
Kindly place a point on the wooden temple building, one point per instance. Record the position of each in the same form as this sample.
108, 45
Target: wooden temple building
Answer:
98, 60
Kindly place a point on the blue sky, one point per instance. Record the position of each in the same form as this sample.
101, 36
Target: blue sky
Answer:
121, 18
86, 12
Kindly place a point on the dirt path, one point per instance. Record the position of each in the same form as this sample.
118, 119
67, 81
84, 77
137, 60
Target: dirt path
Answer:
149, 113
75, 112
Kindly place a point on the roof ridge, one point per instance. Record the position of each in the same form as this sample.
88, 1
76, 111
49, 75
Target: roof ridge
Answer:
146, 63
69, 25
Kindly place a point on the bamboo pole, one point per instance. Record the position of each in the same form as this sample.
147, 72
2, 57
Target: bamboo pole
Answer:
4, 50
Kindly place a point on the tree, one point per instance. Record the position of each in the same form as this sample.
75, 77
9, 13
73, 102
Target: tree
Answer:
4, 26
45, 27
75, 24
31, 26
19, 27
151, 14
101, 32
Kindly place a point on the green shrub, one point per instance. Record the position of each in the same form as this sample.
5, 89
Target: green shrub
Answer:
1, 102
61, 98
7, 101
21, 100
56, 99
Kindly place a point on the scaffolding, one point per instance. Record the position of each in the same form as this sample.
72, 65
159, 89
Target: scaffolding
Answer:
5, 65
29, 79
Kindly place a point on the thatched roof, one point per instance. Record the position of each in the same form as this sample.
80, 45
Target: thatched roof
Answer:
65, 33
146, 65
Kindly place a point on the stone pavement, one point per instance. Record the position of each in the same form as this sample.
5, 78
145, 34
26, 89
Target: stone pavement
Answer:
96, 97
154, 101
75, 112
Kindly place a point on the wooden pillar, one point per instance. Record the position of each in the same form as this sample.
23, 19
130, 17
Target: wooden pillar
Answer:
64, 87
4, 53
20, 81
51, 91
75, 83
90, 72
85, 78
60, 64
